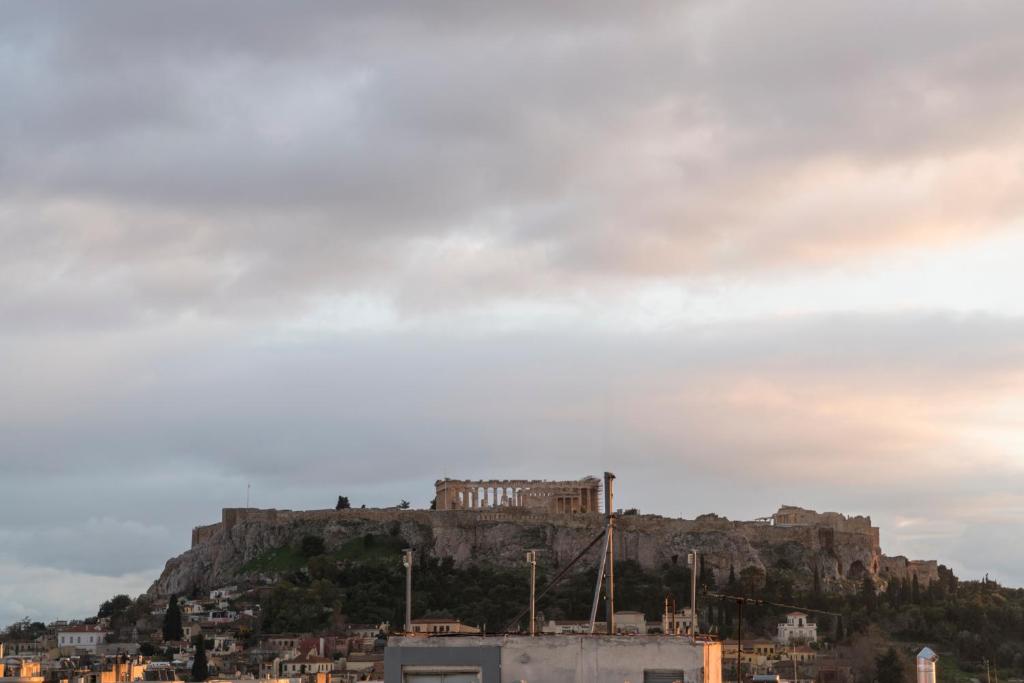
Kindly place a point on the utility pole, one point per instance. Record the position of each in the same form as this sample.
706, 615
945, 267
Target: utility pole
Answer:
610, 563
407, 563
694, 623
531, 559
600, 579
739, 640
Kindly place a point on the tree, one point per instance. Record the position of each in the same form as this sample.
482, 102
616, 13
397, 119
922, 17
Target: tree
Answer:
116, 606
172, 620
706, 577
752, 579
404, 505
343, 503
312, 546
433, 503
888, 668
915, 591
867, 592
200, 670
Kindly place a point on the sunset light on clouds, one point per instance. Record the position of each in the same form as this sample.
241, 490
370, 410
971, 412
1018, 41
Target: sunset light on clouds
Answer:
742, 255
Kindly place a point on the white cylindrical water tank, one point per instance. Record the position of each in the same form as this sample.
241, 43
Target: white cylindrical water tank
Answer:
926, 659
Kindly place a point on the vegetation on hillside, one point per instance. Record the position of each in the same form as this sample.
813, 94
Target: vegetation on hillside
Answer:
968, 622
362, 581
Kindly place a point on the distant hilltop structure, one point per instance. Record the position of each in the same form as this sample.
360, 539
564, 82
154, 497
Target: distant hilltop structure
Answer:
556, 497
495, 520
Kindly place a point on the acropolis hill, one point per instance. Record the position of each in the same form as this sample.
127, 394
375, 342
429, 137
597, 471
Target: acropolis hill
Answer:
495, 521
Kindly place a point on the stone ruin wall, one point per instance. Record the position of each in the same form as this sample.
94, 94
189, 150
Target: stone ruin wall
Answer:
899, 567
558, 497
842, 549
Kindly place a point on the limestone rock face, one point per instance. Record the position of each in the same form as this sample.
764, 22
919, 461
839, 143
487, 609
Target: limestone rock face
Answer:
841, 556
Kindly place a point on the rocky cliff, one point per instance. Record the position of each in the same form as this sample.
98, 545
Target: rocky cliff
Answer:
840, 552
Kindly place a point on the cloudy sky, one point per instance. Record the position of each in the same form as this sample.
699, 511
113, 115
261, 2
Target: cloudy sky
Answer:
740, 253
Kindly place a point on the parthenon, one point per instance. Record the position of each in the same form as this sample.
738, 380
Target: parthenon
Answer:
560, 497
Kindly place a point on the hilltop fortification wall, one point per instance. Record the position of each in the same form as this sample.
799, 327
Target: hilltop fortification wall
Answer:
841, 550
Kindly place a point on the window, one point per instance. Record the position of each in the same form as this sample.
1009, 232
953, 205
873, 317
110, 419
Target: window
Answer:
443, 677
663, 676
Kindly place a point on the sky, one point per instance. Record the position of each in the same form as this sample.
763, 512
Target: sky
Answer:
742, 254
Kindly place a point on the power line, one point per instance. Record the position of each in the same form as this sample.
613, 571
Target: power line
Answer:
759, 601
558, 577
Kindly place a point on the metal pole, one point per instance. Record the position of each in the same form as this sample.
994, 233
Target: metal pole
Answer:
668, 620
407, 561
610, 564
739, 640
531, 558
600, 578
694, 624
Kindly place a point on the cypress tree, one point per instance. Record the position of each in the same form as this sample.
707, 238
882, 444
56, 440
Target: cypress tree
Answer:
200, 670
915, 591
888, 668
172, 620
867, 593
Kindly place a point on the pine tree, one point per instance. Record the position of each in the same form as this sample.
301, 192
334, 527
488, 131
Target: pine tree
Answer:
888, 668
172, 620
343, 503
867, 592
200, 670
892, 593
706, 576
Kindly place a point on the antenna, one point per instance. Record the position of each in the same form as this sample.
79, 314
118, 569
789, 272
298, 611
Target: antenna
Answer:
247, 487
407, 563
606, 570
531, 559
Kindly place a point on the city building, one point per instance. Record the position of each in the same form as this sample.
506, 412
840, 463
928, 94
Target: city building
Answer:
630, 623
797, 630
677, 623
82, 637
225, 593
19, 669
561, 627
441, 626
512, 659
306, 664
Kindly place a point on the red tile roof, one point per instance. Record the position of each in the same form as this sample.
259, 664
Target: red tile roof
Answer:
83, 628
308, 659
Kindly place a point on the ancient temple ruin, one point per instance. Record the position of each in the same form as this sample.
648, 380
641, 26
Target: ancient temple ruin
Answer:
558, 497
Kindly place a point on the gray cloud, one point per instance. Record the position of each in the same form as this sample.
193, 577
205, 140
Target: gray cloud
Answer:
230, 161
308, 247
144, 459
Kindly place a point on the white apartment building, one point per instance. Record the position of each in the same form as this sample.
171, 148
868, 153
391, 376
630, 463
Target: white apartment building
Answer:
797, 629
